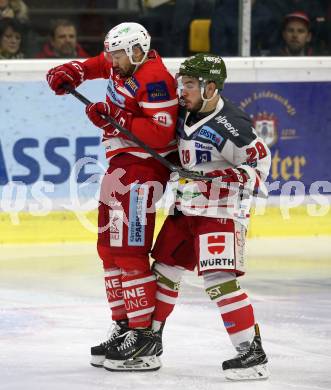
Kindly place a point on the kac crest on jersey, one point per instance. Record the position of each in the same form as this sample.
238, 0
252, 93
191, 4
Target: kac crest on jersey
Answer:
266, 127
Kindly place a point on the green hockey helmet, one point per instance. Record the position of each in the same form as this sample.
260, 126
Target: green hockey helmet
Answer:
205, 67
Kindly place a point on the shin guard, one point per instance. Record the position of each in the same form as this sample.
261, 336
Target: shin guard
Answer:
114, 293
234, 305
168, 283
139, 297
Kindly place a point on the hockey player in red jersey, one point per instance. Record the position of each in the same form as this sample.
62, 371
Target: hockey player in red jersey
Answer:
141, 96
208, 228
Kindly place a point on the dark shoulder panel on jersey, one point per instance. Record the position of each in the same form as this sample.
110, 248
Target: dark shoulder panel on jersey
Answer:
180, 122
234, 124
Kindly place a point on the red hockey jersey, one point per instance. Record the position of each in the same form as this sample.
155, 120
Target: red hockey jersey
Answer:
149, 94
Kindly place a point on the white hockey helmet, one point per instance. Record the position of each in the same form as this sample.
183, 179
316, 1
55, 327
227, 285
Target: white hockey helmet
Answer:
125, 36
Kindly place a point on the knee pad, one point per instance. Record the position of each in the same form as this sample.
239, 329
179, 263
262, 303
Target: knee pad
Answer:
106, 257
127, 262
133, 264
220, 283
169, 276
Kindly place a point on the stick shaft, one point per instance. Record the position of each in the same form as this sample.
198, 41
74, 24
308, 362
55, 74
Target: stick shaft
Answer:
127, 133
172, 167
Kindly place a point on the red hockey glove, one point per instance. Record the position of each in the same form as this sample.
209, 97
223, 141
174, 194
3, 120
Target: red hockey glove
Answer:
229, 175
96, 111
213, 189
71, 73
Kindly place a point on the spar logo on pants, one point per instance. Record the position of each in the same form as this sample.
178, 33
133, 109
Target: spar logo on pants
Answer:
137, 214
216, 251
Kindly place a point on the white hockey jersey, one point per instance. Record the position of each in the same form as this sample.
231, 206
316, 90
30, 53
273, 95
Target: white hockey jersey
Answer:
223, 139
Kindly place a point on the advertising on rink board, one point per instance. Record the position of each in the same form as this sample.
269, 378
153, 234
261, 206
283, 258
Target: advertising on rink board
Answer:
50, 151
295, 122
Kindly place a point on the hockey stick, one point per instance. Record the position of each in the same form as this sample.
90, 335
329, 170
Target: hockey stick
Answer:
172, 167
183, 173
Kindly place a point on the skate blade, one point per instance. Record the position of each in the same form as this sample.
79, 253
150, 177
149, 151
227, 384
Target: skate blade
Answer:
144, 363
245, 374
97, 361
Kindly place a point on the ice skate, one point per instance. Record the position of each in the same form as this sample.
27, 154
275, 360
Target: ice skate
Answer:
98, 352
158, 340
249, 364
135, 352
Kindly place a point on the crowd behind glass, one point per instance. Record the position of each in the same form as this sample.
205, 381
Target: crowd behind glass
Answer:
75, 29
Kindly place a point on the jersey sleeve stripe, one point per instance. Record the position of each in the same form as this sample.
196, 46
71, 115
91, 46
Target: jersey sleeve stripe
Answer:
168, 103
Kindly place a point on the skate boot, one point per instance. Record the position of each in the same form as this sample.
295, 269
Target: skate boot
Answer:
135, 352
249, 364
98, 352
158, 340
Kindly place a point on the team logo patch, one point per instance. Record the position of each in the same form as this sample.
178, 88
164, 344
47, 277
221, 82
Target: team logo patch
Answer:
137, 214
163, 118
157, 92
132, 85
216, 251
202, 156
210, 135
216, 244
116, 227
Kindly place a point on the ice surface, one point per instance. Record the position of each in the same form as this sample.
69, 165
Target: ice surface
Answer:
53, 309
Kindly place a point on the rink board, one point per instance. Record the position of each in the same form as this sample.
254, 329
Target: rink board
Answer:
59, 226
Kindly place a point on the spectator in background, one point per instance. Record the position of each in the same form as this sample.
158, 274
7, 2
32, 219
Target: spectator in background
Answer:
63, 42
14, 9
316, 11
296, 36
11, 34
224, 27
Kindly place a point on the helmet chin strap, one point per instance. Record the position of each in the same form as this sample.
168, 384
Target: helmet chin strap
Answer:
138, 62
129, 53
205, 100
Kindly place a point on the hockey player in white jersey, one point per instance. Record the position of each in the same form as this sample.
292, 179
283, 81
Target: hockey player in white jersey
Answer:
208, 228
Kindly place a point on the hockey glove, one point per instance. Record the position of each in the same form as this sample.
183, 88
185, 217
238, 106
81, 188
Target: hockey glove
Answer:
229, 175
71, 73
214, 189
97, 111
